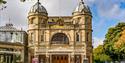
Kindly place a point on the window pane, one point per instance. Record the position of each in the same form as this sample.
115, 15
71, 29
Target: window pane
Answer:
77, 37
59, 38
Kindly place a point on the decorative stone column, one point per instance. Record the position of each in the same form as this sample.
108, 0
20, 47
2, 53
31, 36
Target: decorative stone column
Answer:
9, 58
2, 58
21, 53
50, 58
6, 59
72, 59
82, 58
29, 57
91, 58
47, 59
69, 58
14, 58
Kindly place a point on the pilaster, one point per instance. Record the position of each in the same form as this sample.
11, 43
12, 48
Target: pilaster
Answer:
72, 59
47, 59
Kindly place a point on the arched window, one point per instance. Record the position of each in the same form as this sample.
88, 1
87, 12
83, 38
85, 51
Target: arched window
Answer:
77, 37
32, 38
87, 36
59, 38
32, 20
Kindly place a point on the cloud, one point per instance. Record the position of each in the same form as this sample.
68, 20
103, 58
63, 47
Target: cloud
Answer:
18, 11
113, 13
60, 7
108, 9
97, 41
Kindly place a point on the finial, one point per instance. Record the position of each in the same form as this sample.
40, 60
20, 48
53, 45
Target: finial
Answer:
81, 1
38, 0
21, 29
9, 23
9, 20
38, 5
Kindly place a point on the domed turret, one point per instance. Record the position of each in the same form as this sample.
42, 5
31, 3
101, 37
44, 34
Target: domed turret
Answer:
81, 8
38, 9
37, 16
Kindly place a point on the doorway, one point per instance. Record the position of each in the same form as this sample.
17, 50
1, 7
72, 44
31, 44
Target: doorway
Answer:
59, 58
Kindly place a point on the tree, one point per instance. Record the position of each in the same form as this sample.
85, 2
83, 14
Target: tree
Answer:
22, 0
2, 1
99, 55
120, 44
111, 38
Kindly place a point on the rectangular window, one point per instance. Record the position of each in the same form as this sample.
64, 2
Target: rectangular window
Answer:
42, 38
87, 36
32, 37
86, 19
86, 22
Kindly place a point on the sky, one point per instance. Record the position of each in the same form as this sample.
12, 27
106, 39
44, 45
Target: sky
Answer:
106, 13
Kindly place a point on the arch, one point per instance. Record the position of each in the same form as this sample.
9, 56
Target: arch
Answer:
59, 38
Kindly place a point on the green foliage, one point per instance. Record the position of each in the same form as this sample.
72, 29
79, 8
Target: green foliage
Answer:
3, 2
22, 0
99, 55
111, 38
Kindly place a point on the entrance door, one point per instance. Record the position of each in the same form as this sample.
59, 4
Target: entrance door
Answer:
59, 58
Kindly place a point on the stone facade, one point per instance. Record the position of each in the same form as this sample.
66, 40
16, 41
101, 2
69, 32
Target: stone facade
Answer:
60, 39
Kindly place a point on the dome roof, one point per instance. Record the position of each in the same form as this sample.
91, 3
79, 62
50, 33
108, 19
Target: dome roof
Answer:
38, 8
82, 8
8, 27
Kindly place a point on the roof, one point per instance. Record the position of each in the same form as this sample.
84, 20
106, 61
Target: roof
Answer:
82, 8
8, 27
38, 8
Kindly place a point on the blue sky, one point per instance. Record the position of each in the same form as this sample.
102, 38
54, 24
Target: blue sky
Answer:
106, 13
